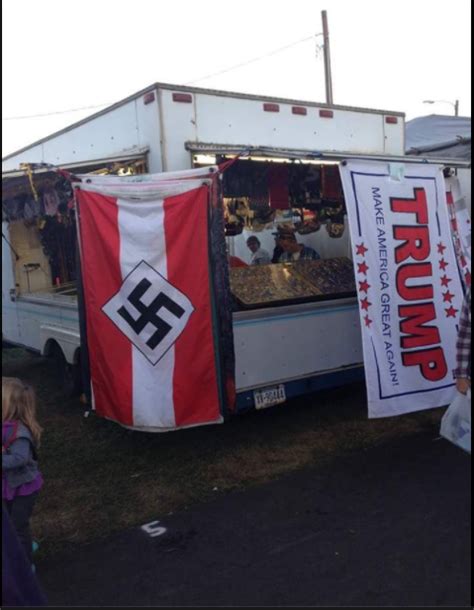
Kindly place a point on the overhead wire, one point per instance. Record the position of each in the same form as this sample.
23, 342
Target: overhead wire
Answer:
192, 82
34, 116
246, 63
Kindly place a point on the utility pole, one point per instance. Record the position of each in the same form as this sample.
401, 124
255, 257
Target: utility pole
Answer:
327, 59
455, 104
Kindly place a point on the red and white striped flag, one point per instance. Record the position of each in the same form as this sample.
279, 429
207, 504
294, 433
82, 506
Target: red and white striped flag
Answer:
145, 266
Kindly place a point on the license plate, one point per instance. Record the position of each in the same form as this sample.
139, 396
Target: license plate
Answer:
267, 397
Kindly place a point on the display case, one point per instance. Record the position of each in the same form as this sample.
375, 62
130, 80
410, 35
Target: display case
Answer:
333, 276
290, 283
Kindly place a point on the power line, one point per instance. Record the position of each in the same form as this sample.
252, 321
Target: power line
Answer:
246, 63
234, 67
34, 116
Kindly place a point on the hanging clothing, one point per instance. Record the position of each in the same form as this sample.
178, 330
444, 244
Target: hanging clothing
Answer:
331, 185
278, 186
51, 202
32, 209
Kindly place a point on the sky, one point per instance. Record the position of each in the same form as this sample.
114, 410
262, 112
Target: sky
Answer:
60, 55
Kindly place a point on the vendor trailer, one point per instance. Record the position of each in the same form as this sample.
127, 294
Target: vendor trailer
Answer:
282, 349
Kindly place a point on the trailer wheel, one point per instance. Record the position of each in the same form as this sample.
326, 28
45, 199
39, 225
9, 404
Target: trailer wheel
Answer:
68, 374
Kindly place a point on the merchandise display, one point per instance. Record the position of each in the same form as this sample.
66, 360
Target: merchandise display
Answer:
330, 276
257, 194
265, 284
308, 280
256, 197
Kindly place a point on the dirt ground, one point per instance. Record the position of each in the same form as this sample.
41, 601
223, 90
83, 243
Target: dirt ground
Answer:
101, 478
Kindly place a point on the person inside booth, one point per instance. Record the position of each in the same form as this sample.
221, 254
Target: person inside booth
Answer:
292, 250
259, 255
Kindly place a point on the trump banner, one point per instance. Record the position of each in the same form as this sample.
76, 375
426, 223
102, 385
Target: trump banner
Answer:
148, 305
408, 283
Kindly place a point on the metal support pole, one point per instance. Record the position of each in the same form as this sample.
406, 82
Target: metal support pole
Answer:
456, 108
327, 59
84, 361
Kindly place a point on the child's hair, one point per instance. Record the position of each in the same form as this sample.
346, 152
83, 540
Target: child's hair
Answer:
19, 404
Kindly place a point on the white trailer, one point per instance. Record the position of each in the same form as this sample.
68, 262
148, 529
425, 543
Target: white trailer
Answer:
157, 122
290, 349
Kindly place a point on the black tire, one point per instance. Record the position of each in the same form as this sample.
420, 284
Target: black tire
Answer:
68, 375
77, 376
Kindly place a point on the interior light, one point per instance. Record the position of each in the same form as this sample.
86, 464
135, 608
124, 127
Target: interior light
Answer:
205, 159
284, 160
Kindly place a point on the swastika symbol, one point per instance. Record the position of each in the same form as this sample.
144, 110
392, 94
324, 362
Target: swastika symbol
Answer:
149, 313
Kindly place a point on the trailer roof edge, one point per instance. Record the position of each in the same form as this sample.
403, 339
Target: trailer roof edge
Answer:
189, 89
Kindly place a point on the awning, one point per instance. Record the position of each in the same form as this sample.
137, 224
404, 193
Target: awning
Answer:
16, 182
125, 156
311, 155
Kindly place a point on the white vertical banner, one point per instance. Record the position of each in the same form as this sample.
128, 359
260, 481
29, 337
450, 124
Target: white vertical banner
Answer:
408, 284
460, 223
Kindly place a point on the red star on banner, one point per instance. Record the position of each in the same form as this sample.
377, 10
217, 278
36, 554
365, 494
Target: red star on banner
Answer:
467, 275
365, 304
451, 312
362, 268
445, 280
463, 261
441, 248
368, 321
443, 264
364, 286
361, 249
448, 296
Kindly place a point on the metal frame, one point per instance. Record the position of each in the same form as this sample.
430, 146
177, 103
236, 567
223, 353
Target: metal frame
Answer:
124, 156
313, 155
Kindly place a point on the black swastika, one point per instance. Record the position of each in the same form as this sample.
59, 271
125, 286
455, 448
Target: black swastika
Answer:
149, 313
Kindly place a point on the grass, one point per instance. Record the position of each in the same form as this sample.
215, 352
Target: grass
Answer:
101, 478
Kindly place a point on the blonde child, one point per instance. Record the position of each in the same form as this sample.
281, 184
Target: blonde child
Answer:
21, 433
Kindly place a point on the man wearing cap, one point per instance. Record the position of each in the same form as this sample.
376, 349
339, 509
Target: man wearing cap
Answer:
292, 250
259, 255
